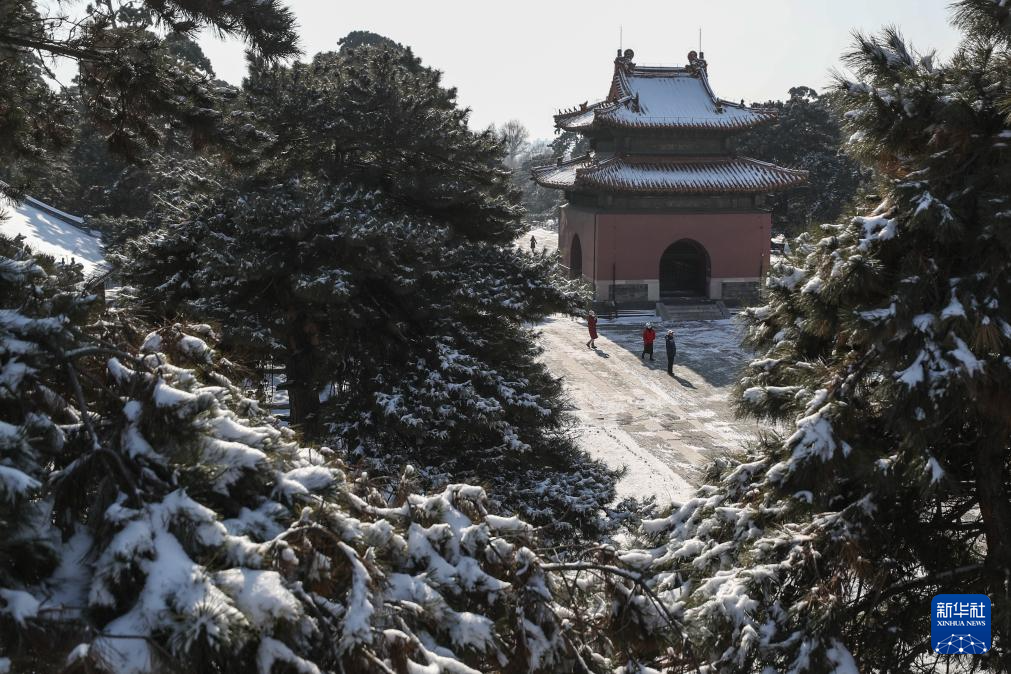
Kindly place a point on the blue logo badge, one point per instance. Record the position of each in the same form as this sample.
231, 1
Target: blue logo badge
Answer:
960, 624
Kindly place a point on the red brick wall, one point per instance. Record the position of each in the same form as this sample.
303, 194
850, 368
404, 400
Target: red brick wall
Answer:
577, 222
737, 243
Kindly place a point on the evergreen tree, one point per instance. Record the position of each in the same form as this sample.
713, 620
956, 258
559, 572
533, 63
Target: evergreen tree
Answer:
372, 258
130, 78
883, 356
807, 135
154, 519
35, 123
362, 38
93, 179
32, 326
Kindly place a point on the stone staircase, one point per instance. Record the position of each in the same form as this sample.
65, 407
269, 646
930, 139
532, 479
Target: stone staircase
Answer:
644, 314
696, 310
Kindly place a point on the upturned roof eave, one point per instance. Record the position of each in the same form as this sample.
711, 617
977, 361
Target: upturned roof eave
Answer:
601, 120
585, 180
589, 187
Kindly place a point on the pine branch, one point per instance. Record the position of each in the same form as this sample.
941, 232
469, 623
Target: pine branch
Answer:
58, 47
622, 573
112, 459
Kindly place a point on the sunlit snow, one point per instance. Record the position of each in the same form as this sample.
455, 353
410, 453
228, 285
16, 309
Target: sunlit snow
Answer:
62, 237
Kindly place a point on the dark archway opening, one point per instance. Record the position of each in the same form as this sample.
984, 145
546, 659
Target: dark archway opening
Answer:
575, 258
684, 270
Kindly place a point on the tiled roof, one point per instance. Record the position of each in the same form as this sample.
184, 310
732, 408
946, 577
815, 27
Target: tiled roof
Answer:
662, 97
668, 175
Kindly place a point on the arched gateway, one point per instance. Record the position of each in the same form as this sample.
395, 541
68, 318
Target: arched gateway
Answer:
684, 270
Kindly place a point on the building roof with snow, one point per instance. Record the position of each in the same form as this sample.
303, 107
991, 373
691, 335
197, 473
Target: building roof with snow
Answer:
662, 131
662, 98
52, 232
645, 174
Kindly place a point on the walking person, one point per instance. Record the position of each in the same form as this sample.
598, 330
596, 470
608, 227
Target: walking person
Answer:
591, 324
533, 243
672, 351
648, 337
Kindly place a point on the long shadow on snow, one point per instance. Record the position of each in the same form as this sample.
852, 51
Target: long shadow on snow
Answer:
716, 367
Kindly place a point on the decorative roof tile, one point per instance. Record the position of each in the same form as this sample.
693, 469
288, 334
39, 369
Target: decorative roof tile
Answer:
668, 175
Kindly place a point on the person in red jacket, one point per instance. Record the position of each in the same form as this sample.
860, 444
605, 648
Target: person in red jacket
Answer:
648, 337
591, 324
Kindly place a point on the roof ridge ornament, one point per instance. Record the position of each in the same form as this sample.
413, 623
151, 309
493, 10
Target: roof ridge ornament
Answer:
697, 63
624, 61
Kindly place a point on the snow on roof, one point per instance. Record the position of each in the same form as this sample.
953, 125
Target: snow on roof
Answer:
562, 175
52, 232
649, 174
662, 97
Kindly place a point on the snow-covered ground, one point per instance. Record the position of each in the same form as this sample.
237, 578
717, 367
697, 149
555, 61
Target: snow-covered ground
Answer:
45, 233
631, 413
547, 239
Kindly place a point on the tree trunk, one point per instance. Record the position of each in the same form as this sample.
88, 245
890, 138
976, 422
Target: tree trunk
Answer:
301, 377
303, 400
995, 509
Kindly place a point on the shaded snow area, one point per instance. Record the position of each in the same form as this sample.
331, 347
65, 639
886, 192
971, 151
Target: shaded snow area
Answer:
46, 233
273, 390
632, 413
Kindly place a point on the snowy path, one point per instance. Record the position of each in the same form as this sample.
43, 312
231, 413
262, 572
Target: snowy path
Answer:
632, 413
547, 239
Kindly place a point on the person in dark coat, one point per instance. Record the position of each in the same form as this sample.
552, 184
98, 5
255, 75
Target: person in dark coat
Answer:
591, 324
533, 243
648, 337
672, 351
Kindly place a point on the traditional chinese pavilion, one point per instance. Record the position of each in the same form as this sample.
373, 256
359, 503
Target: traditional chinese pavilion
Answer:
661, 208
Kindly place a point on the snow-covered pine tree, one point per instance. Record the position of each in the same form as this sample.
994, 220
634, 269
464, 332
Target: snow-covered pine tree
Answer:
153, 519
373, 259
132, 81
884, 369
29, 143
29, 438
807, 135
93, 179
